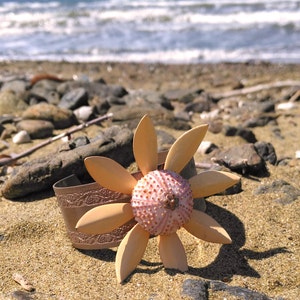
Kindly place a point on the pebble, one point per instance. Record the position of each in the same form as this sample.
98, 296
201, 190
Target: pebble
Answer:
244, 133
199, 289
74, 99
84, 113
287, 106
21, 137
243, 159
11, 103
266, 151
286, 192
60, 117
36, 129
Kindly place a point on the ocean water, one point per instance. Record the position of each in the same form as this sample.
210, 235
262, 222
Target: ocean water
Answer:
170, 31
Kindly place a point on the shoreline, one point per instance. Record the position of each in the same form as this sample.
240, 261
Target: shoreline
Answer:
265, 251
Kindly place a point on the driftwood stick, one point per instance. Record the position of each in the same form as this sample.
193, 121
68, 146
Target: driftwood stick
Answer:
9, 160
255, 89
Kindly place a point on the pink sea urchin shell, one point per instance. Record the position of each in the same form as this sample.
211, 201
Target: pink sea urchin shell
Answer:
162, 202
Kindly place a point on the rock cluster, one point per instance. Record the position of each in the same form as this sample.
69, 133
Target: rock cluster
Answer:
36, 108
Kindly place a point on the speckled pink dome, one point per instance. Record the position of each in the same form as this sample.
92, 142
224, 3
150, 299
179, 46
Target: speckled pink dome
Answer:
162, 202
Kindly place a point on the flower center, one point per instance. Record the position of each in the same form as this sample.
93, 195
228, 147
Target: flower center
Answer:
162, 202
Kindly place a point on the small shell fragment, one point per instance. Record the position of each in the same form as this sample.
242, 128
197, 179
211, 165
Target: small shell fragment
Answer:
23, 282
297, 154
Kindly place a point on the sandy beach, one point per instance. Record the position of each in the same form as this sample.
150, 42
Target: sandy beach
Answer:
265, 252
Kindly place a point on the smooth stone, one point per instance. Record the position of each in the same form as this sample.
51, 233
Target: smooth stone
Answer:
40, 174
93, 88
100, 104
37, 129
260, 121
196, 289
265, 106
244, 133
200, 104
84, 113
60, 117
11, 103
182, 95
74, 99
143, 97
18, 86
266, 151
237, 291
286, 192
199, 289
243, 159
21, 137
45, 90
287, 106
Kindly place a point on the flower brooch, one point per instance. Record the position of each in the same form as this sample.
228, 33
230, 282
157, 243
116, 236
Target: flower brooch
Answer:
161, 201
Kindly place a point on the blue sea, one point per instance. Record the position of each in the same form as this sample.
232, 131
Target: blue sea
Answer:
170, 31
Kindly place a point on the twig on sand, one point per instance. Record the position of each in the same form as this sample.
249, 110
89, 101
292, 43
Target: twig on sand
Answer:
255, 89
8, 160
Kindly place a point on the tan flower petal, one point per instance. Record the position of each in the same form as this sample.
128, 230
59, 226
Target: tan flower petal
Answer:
110, 174
211, 182
184, 148
206, 228
145, 146
131, 251
105, 218
172, 252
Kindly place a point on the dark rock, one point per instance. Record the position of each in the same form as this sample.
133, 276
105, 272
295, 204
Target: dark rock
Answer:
199, 290
182, 116
182, 95
215, 126
60, 117
237, 291
266, 151
11, 103
22, 295
144, 97
93, 88
266, 106
40, 174
164, 140
200, 104
260, 121
196, 289
37, 129
45, 90
244, 133
243, 159
100, 104
288, 193
74, 99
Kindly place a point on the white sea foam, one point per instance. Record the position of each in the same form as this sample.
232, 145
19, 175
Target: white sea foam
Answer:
163, 31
